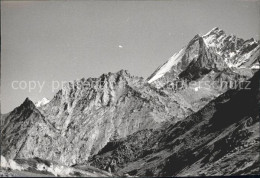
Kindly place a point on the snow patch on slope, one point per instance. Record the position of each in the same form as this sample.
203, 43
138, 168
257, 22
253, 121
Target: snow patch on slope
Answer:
42, 102
248, 59
255, 67
9, 163
168, 65
213, 29
209, 41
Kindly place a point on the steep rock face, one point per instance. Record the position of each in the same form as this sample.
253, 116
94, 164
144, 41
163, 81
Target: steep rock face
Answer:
86, 114
206, 61
221, 139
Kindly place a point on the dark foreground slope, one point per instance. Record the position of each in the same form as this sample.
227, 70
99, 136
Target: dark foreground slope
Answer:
220, 139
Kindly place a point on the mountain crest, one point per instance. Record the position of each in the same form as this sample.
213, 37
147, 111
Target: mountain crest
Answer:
27, 104
214, 31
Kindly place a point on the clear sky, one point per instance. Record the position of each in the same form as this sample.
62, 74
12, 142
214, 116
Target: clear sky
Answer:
44, 41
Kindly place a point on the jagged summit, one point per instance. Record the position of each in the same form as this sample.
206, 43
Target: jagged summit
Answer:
216, 37
27, 104
235, 51
215, 30
123, 72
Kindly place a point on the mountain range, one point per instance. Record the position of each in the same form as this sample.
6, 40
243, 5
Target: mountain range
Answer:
197, 114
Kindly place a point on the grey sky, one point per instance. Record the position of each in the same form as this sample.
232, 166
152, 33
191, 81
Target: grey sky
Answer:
66, 40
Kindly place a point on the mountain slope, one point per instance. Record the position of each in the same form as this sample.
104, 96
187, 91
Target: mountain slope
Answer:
220, 139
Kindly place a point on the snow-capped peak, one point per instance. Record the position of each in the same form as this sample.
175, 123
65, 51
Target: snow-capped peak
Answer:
235, 52
42, 102
214, 30
215, 36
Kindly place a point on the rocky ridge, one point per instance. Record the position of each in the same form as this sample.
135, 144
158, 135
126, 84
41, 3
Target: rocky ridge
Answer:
88, 112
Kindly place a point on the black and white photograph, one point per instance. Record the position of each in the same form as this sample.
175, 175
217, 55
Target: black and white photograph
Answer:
130, 88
